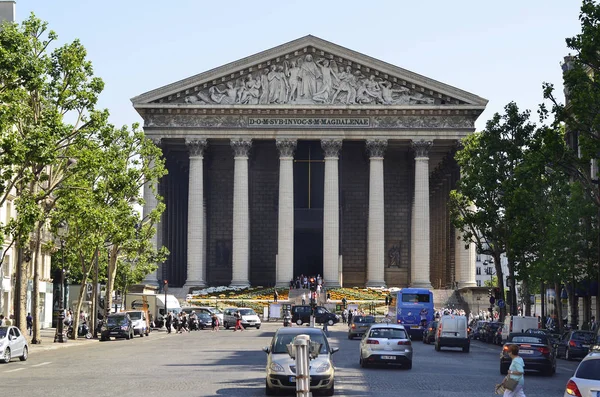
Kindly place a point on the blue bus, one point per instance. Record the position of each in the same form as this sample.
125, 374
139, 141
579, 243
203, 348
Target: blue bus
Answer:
414, 309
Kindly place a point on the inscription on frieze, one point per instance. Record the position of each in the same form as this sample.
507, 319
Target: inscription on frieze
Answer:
309, 122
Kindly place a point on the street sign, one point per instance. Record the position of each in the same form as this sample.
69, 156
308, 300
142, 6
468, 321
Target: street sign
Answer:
492, 300
501, 303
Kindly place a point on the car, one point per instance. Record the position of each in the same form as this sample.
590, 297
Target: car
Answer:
204, 309
301, 315
359, 325
387, 344
477, 330
249, 317
452, 331
12, 344
575, 344
281, 368
117, 325
141, 325
489, 332
535, 350
586, 379
554, 338
429, 332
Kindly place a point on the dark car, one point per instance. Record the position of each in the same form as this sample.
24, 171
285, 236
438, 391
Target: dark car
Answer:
554, 338
489, 332
429, 332
117, 325
575, 344
535, 350
477, 329
301, 315
204, 320
359, 325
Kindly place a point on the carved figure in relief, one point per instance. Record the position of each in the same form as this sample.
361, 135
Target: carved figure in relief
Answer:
347, 85
309, 73
250, 92
283, 85
387, 93
264, 84
227, 96
362, 93
322, 96
292, 73
373, 89
417, 97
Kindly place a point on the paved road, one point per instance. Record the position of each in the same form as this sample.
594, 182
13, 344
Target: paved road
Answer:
204, 363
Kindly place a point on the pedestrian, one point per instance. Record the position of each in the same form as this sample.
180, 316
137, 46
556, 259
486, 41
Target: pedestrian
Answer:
344, 316
168, 319
516, 372
238, 321
593, 324
1, 320
387, 302
304, 298
213, 322
275, 295
325, 328
350, 316
29, 323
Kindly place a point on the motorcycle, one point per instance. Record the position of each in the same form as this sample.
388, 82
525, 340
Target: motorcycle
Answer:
194, 326
82, 330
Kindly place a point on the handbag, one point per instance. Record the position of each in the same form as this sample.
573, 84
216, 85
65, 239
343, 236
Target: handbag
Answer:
509, 383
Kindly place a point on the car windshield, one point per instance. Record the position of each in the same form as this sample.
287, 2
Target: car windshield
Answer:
388, 333
589, 369
364, 319
247, 312
3, 332
584, 336
528, 339
282, 340
204, 316
115, 320
215, 311
135, 315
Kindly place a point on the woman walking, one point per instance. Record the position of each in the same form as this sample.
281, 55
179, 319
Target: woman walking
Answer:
516, 372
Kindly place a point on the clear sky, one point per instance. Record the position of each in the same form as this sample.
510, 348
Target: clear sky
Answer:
500, 50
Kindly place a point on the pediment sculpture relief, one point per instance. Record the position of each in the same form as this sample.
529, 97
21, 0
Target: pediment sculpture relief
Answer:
311, 81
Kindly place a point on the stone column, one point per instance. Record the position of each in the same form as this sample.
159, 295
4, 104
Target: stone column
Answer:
376, 227
419, 268
465, 259
150, 203
241, 215
195, 217
331, 213
285, 231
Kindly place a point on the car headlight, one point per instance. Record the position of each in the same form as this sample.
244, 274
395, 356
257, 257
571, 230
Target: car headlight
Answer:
104, 328
323, 367
275, 367
124, 327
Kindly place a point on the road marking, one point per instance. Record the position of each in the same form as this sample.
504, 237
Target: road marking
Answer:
39, 365
14, 370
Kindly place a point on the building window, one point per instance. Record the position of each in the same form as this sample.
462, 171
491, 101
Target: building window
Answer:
478, 271
478, 258
479, 283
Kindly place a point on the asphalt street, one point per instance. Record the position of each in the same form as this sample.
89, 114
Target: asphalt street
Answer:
228, 363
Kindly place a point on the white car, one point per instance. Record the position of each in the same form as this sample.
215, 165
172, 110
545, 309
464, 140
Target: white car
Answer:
387, 344
249, 317
586, 380
12, 344
281, 368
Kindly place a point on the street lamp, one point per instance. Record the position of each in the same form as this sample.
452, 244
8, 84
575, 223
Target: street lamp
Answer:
62, 231
489, 269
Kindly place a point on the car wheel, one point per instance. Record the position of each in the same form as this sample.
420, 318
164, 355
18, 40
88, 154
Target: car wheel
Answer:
437, 347
103, 339
269, 391
503, 369
466, 349
568, 355
363, 363
226, 325
299, 321
127, 336
258, 327
330, 322
350, 336
330, 391
407, 366
6, 357
88, 335
25, 354
141, 334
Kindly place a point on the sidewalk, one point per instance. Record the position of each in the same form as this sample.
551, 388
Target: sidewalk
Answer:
47, 339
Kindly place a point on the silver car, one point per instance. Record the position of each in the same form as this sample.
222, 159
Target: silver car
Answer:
12, 344
281, 368
386, 344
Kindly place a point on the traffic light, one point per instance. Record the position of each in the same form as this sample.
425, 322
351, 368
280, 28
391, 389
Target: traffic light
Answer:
497, 293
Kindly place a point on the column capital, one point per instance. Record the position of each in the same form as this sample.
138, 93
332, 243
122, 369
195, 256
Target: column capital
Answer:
196, 147
286, 147
156, 140
421, 147
241, 147
376, 147
331, 147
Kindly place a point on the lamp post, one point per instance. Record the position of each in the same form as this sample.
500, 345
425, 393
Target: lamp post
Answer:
489, 269
59, 337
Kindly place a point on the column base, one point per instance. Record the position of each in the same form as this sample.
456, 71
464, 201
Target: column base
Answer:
421, 284
151, 281
193, 285
240, 283
333, 285
466, 284
282, 284
376, 284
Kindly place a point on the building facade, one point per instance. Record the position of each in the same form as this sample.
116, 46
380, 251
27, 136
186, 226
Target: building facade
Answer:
309, 158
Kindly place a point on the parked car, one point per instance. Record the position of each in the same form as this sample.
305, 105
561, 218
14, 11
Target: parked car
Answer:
477, 329
535, 350
117, 325
301, 315
386, 344
452, 332
429, 332
586, 379
12, 344
205, 309
575, 344
141, 323
249, 317
359, 325
281, 368
554, 338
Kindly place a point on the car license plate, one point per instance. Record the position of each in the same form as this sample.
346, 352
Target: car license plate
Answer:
292, 379
388, 357
526, 351
415, 327
585, 346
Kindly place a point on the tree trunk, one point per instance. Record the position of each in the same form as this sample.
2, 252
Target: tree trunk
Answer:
500, 281
559, 313
525, 298
574, 307
112, 273
95, 309
35, 312
82, 291
20, 297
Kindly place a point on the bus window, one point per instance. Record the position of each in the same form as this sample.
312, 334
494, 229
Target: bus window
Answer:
415, 298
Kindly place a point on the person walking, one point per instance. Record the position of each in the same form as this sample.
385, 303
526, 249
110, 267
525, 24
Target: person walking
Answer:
344, 316
168, 319
304, 298
29, 324
238, 321
275, 295
516, 372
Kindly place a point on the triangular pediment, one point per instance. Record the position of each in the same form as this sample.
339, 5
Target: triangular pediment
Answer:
308, 71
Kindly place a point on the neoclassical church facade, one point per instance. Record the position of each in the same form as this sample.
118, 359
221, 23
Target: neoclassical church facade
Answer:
309, 158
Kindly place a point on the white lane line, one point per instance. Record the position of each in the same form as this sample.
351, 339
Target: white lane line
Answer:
14, 370
39, 365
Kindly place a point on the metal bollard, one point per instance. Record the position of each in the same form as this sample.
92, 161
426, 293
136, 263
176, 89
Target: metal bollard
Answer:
300, 351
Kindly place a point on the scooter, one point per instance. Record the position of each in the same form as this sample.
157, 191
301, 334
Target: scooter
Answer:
83, 330
287, 319
194, 324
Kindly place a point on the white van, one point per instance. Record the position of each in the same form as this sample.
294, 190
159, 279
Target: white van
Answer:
452, 332
518, 324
